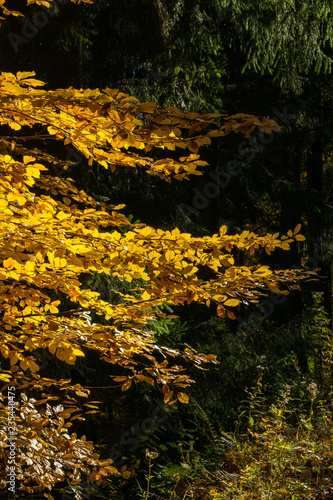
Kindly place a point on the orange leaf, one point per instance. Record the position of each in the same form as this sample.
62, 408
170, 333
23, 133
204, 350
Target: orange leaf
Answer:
126, 385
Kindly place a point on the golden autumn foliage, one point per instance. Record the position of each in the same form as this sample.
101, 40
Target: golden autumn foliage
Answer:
43, 3
52, 233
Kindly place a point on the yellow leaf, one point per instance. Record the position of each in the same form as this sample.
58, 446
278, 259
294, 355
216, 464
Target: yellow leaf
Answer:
262, 270
300, 237
297, 229
33, 172
220, 311
62, 215
5, 351
61, 354
14, 275
26, 311
32, 81
28, 159
81, 394
23, 76
13, 358
165, 389
59, 262
5, 377
66, 200
29, 265
14, 126
119, 379
147, 107
10, 263
231, 315
77, 352
183, 398
223, 230
32, 365
231, 302
52, 130
20, 75
145, 295
169, 255
126, 385
193, 146
52, 347
50, 256
168, 396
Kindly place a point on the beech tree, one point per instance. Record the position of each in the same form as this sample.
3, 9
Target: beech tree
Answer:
52, 234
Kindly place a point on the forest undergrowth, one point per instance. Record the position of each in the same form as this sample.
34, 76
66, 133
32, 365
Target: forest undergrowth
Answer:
281, 445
